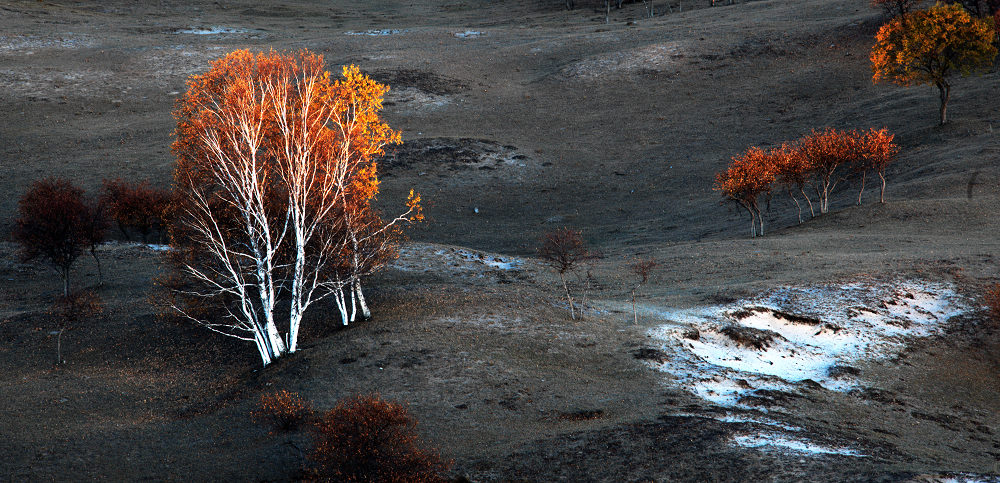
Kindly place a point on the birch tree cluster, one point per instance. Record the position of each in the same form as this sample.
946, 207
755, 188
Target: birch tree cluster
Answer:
816, 163
272, 211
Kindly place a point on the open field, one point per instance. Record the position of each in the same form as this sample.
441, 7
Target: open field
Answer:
518, 118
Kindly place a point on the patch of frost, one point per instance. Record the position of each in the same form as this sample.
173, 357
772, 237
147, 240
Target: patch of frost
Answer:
863, 321
375, 32
784, 442
216, 30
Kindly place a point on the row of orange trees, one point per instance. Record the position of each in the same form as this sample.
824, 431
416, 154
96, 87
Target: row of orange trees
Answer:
817, 162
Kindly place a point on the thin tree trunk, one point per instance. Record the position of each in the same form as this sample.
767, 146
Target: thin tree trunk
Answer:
338, 297
812, 214
572, 312
365, 312
824, 201
59, 359
65, 274
945, 90
635, 314
354, 302
797, 205
881, 195
265, 355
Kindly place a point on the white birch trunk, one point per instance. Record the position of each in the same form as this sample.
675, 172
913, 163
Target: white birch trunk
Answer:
365, 312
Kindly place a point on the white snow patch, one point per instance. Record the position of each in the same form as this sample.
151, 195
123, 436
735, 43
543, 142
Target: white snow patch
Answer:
469, 34
742, 418
375, 32
216, 30
861, 321
956, 478
787, 443
158, 248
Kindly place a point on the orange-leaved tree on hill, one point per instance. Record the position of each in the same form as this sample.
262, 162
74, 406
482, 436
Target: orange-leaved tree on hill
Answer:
930, 46
825, 152
794, 173
275, 177
747, 179
875, 151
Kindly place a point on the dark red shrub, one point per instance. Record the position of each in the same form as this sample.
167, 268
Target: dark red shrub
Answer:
48, 226
138, 206
369, 439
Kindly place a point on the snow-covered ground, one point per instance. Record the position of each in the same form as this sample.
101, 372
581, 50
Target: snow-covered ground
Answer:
728, 354
215, 30
375, 32
787, 443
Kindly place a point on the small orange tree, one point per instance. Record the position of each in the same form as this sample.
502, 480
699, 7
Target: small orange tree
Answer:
284, 410
876, 150
930, 46
825, 152
642, 268
794, 173
746, 180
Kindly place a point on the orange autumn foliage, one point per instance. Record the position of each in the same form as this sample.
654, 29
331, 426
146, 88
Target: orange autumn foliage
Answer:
815, 160
929, 47
876, 150
275, 178
748, 177
825, 152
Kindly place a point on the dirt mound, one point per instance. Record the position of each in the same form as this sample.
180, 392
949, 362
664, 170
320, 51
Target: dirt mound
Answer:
750, 337
652, 58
